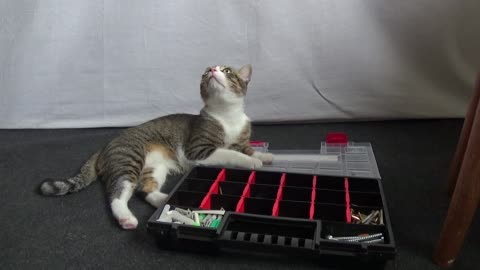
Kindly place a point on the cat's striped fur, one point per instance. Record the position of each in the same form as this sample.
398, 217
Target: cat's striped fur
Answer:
140, 158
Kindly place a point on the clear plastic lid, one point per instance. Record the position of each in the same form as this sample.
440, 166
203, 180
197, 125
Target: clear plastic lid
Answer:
351, 159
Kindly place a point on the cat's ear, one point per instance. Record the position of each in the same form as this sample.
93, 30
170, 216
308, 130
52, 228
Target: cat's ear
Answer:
245, 73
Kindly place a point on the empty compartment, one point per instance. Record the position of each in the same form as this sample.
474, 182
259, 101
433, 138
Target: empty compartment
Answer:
366, 199
266, 227
303, 166
330, 212
359, 166
357, 173
294, 209
258, 206
268, 178
263, 192
231, 188
233, 175
297, 194
331, 182
338, 229
196, 185
277, 165
204, 173
352, 157
187, 198
363, 184
330, 196
224, 201
299, 180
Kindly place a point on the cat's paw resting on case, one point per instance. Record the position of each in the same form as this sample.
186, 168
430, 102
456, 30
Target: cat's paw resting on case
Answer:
247, 162
256, 163
266, 158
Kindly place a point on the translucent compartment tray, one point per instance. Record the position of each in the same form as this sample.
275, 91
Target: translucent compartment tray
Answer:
351, 159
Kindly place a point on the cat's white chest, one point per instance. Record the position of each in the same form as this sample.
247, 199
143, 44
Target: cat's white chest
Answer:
232, 126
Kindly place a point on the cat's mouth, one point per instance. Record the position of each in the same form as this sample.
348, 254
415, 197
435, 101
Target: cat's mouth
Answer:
217, 80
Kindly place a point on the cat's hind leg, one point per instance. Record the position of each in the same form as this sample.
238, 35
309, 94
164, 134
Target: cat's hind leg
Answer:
152, 181
119, 196
158, 163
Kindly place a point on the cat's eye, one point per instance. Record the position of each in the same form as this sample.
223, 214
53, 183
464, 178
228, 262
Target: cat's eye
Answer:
227, 70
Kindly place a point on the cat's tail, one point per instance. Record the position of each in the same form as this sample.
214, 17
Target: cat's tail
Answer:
88, 174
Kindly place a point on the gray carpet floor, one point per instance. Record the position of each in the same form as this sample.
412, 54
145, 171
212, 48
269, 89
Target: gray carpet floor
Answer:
78, 232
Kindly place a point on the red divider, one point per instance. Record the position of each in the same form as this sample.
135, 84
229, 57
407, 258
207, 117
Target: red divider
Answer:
206, 201
240, 205
276, 205
221, 177
246, 193
251, 180
347, 202
314, 194
280, 187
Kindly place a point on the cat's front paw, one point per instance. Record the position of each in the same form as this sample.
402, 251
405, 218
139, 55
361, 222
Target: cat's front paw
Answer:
253, 163
266, 158
257, 163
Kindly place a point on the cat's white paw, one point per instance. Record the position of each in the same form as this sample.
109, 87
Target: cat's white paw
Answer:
257, 163
266, 158
253, 163
128, 222
156, 198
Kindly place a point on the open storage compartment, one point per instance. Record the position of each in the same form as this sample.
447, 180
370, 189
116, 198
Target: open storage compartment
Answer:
295, 212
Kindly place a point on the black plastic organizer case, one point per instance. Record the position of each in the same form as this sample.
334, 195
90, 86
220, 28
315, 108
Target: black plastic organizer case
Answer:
279, 211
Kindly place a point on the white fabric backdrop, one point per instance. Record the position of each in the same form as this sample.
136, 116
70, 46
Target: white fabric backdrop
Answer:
119, 63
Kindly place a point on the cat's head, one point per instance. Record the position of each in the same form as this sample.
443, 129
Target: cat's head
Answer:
225, 83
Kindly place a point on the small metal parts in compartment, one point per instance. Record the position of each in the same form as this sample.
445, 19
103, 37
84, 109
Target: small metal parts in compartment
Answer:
200, 218
363, 238
375, 217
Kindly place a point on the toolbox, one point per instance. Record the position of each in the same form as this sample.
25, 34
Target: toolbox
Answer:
327, 202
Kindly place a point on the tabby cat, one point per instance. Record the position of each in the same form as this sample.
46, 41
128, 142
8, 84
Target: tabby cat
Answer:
141, 157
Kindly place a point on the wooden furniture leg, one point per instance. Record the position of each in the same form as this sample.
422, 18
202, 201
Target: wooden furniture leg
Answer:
462, 142
464, 201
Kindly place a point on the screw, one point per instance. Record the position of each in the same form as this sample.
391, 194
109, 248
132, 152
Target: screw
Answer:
355, 238
329, 237
355, 217
362, 217
370, 217
379, 240
365, 238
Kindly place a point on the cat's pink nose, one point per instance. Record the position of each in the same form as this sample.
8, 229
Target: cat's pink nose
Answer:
212, 70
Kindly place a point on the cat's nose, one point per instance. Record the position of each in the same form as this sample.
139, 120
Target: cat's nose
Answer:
213, 69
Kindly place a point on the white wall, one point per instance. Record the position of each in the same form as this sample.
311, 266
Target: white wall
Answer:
115, 63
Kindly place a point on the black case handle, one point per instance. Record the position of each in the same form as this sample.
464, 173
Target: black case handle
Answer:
266, 230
